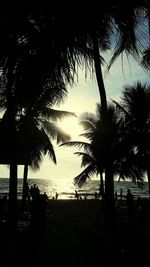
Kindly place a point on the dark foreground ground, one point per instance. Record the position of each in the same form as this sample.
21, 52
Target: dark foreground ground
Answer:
73, 234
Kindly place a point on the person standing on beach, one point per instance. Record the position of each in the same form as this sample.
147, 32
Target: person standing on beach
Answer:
56, 196
116, 195
100, 191
27, 192
130, 202
121, 194
76, 195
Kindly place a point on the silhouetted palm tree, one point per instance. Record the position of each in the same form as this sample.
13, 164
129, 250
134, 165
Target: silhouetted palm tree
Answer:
135, 111
37, 129
124, 19
105, 146
41, 44
16, 109
107, 151
89, 162
86, 43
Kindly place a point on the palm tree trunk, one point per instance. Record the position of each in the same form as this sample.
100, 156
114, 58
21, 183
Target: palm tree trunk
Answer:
12, 203
102, 188
148, 177
102, 184
98, 71
109, 184
109, 198
25, 176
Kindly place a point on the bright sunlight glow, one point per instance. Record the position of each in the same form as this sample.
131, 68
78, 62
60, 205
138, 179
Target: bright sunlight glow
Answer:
72, 127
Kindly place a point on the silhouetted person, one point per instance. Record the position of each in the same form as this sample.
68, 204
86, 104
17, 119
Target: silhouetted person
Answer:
27, 192
3, 208
116, 199
56, 196
116, 195
130, 202
100, 191
121, 194
34, 192
76, 195
45, 196
96, 195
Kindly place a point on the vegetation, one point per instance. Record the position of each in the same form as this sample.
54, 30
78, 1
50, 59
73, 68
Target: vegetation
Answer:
39, 52
134, 109
108, 149
29, 128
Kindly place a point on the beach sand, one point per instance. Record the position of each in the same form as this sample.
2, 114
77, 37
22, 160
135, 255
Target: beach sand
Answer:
73, 234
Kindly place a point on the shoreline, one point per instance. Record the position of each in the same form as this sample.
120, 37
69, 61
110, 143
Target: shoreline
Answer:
66, 191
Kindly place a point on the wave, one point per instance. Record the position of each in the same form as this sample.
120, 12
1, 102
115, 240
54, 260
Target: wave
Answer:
66, 189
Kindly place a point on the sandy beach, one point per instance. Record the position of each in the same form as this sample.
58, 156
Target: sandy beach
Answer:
73, 234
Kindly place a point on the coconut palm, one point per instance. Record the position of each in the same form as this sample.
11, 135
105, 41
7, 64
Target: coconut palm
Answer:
89, 123
89, 162
35, 39
86, 43
36, 131
124, 19
45, 41
16, 113
107, 151
135, 111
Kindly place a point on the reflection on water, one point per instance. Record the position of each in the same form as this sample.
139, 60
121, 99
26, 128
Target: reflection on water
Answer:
66, 188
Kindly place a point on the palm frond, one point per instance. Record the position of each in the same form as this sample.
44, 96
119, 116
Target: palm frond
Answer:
62, 136
50, 151
47, 146
36, 160
54, 115
43, 145
88, 121
129, 33
55, 132
86, 159
81, 179
78, 144
146, 59
122, 109
88, 135
132, 173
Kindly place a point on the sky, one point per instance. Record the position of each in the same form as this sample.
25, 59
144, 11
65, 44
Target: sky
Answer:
83, 97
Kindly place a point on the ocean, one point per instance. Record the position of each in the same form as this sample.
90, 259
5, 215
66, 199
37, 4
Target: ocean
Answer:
66, 188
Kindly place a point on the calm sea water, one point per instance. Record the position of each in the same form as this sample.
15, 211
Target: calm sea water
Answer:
66, 188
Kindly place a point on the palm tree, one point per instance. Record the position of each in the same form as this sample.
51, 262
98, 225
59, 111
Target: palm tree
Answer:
14, 107
33, 41
86, 43
122, 19
36, 131
125, 25
135, 111
89, 162
37, 41
107, 151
